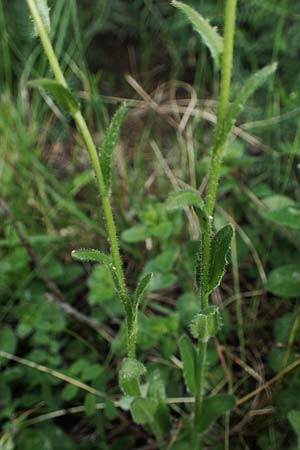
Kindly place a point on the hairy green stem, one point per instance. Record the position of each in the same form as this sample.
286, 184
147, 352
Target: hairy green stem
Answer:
89, 143
200, 379
214, 174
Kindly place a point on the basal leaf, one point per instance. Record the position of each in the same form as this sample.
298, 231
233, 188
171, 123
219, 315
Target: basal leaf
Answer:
214, 407
129, 376
288, 216
285, 281
59, 93
89, 254
109, 143
143, 410
188, 358
250, 86
141, 287
209, 34
219, 249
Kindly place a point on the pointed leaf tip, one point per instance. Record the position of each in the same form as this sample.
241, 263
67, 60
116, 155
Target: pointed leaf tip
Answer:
129, 376
250, 86
89, 254
109, 143
44, 13
209, 34
140, 289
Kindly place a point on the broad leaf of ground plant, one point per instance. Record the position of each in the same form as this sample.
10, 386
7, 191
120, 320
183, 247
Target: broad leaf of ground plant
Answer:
109, 144
214, 407
59, 93
288, 216
188, 358
209, 34
250, 86
219, 249
157, 391
143, 410
129, 376
285, 281
184, 198
294, 419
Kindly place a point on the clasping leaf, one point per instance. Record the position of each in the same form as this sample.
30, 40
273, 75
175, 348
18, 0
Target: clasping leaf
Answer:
109, 143
219, 249
251, 85
129, 376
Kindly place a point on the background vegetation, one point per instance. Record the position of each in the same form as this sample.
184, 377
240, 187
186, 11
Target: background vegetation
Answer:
62, 315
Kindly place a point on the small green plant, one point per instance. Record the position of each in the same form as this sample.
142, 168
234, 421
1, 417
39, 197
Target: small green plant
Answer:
213, 247
101, 162
147, 402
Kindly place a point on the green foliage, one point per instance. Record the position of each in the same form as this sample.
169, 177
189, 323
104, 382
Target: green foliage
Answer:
109, 144
46, 183
59, 93
285, 281
155, 222
209, 35
102, 294
140, 289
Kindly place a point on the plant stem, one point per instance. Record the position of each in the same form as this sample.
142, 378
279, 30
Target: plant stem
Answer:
106, 205
214, 174
220, 139
43, 34
200, 379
